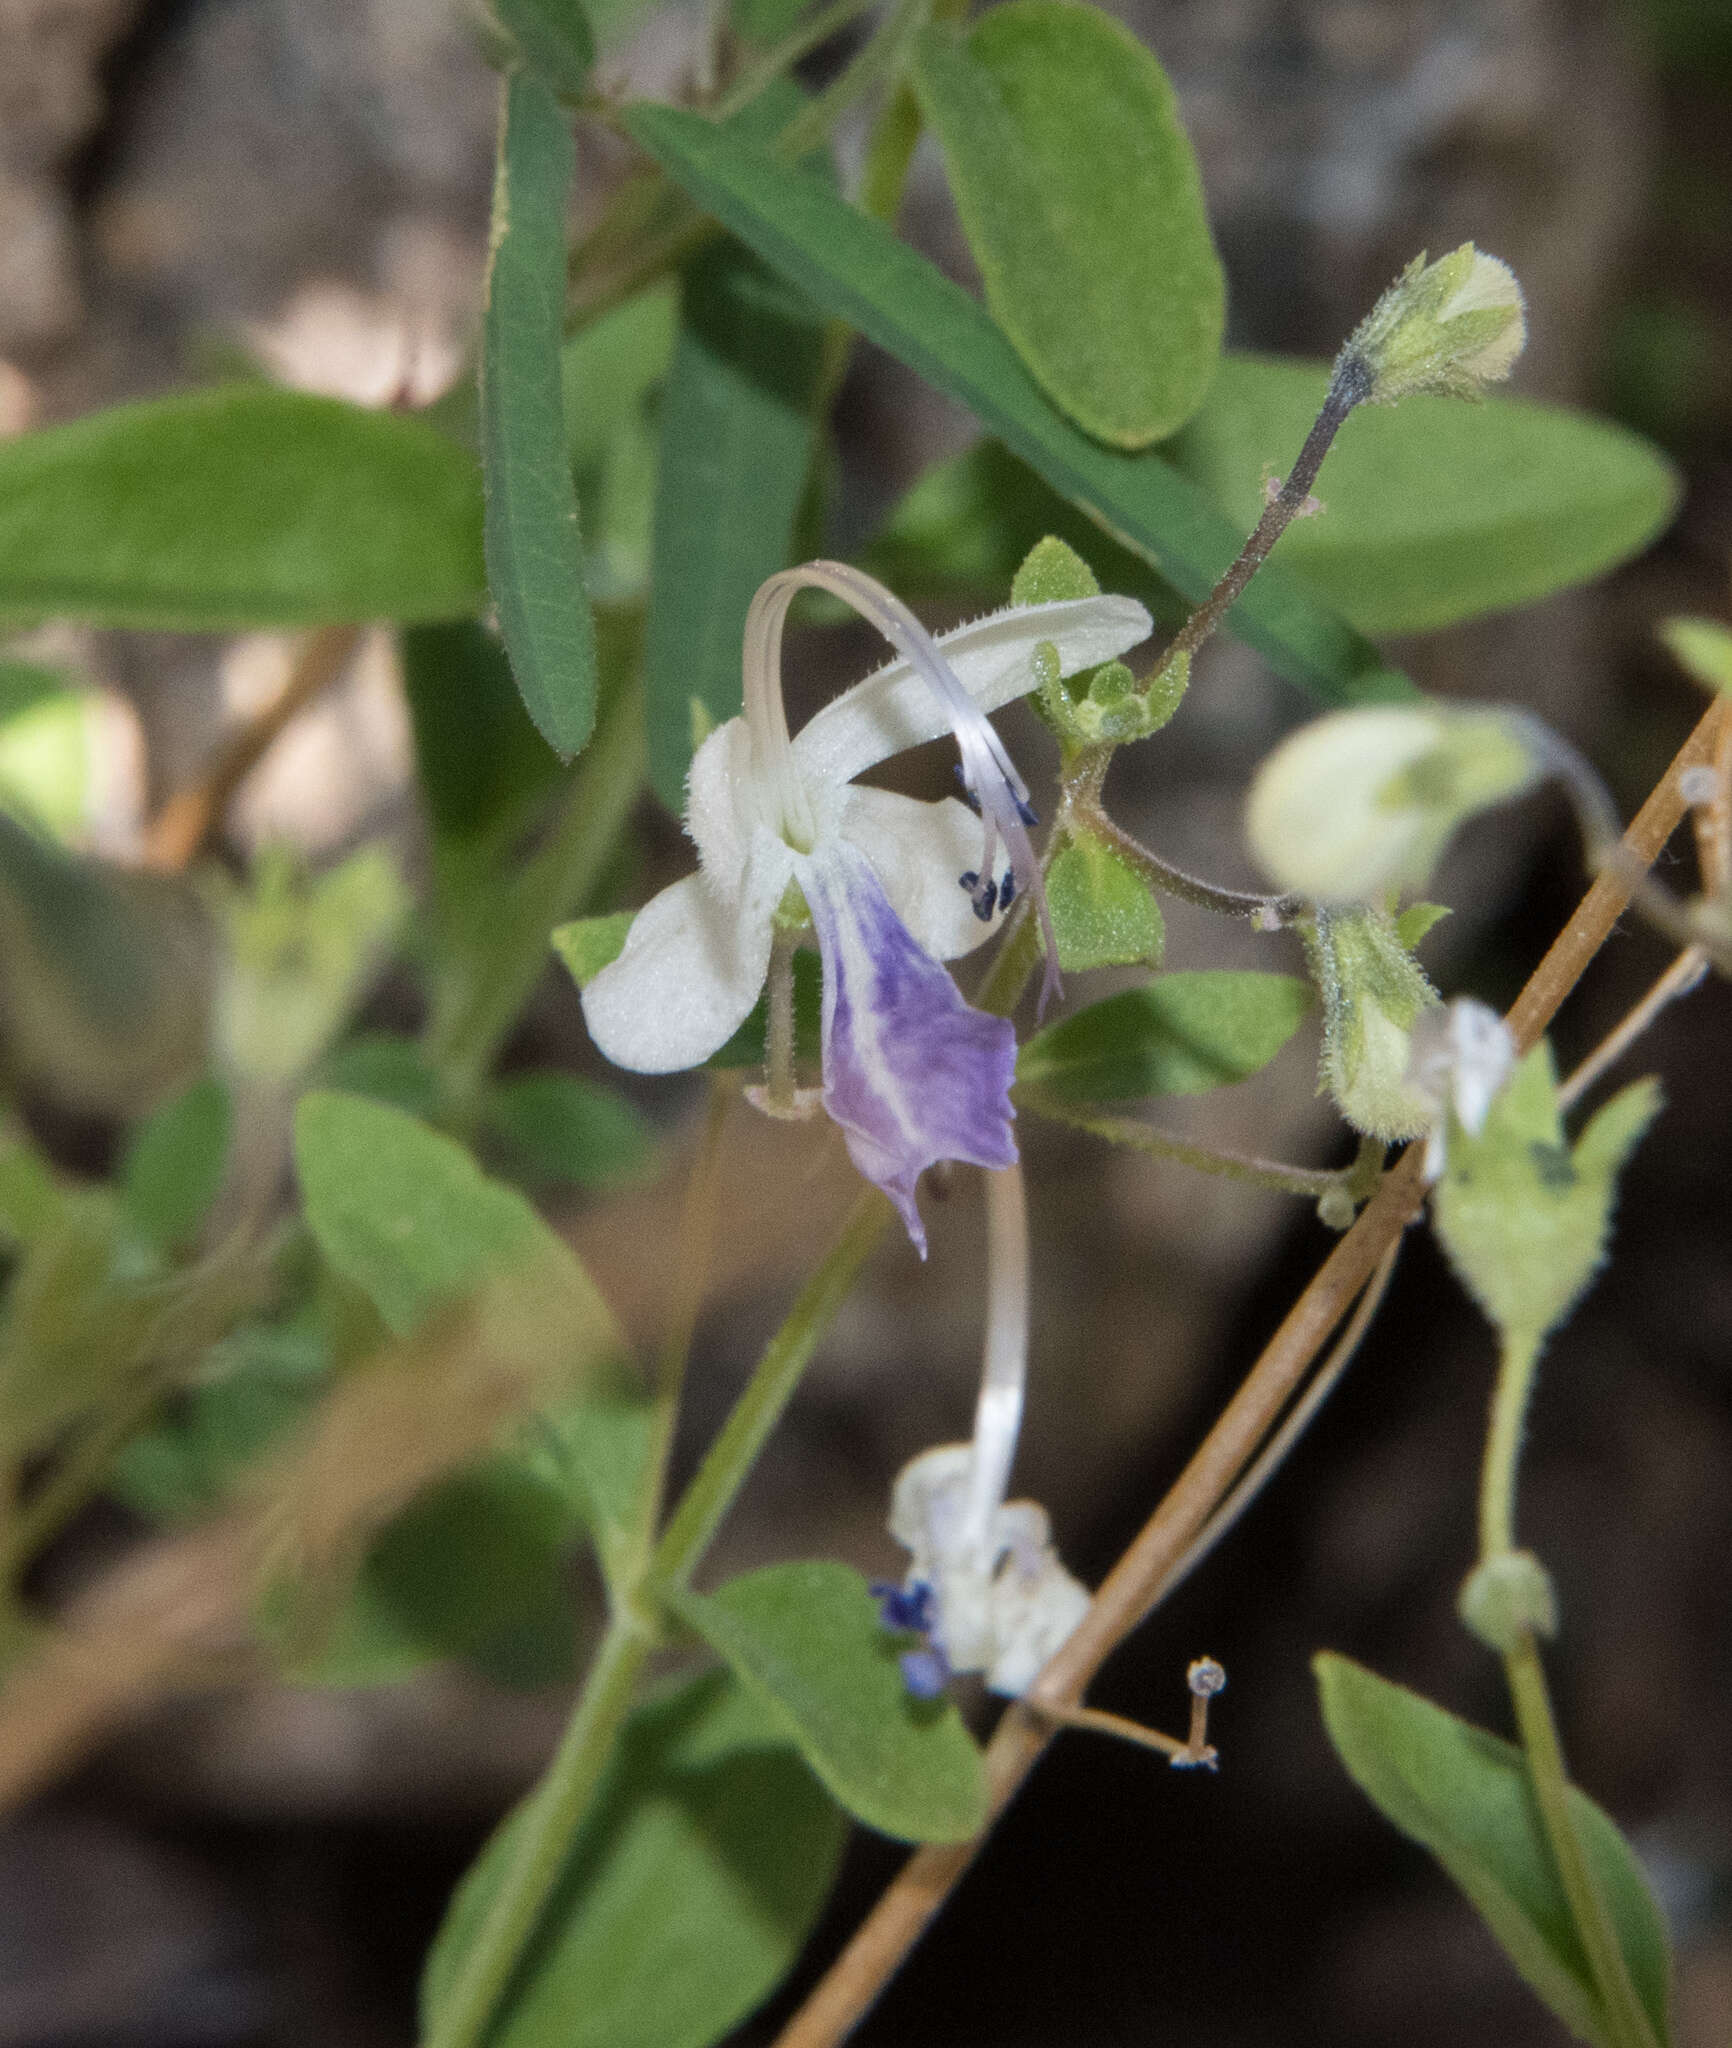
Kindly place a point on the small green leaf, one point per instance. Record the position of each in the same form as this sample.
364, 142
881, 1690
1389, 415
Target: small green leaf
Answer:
243, 506
555, 40
1103, 912
29, 1197
807, 1638
736, 444
410, 1218
1703, 648
564, 1129
588, 944
595, 1451
685, 1897
1180, 1035
1525, 1220
1435, 510
1464, 1795
1412, 924
1083, 207
48, 739
175, 1161
534, 560
856, 269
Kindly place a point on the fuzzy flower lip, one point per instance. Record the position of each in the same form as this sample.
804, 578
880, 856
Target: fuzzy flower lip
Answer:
911, 1073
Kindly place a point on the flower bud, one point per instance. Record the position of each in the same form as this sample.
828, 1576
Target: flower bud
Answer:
1507, 1598
1373, 992
1362, 802
1449, 328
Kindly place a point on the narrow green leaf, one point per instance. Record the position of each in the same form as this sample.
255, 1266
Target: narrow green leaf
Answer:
1103, 912
1181, 1034
564, 1129
386, 1068
685, 1897
1464, 1795
1084, 209
408, 1216
175, 1161
807, 1638
243, 506
856, 269
534, 560
1436, 510
736, 445
555, 40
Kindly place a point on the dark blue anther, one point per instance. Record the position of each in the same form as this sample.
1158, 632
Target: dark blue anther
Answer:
904, 1607
1007, 890
1027, 813
924, 1672
969, 880
968, 795
986, 900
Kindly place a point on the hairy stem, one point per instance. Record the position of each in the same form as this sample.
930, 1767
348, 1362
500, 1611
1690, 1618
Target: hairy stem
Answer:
1141, 1137
1503, 1442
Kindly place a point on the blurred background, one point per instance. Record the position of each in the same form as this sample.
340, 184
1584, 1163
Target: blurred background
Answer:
191, 187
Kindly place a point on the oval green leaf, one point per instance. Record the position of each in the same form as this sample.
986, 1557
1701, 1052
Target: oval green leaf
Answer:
684, 1898
808, 1640
1181, 1034
239, 507
559, 1128
1435, 510
1103, 912
1464, 1795
534, 560
1084, 209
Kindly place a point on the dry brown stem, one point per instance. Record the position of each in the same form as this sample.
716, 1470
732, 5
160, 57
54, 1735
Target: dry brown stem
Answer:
902, 1914
179, 831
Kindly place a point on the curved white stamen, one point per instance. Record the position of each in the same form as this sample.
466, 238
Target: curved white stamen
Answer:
766, 714
1004, 1360
987, 768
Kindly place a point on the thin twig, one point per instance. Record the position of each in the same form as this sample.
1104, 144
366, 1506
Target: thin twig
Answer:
918, 1892
1312, 1181
1684, 974
180, 830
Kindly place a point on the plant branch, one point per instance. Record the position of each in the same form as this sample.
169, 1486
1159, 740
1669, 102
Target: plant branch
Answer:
1140, 1137
917, 1894
179, 832
1684, 974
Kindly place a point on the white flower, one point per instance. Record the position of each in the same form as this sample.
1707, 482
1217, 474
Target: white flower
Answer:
1460, 1059
892, 885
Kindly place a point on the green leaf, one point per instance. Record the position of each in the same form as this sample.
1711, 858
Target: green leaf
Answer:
564, 1129
534, 560
685, 1897
1083, 207
736, 446
409, 1217
1523, 1218
243, 506
29, 1197
385, 1068
555, 41
856, 269
480, 760
1103, 912
595, 1451
588, 944
175, 1161
808, 1640
609, 371
1464, 1795
1179, 1035
1703, 648
48, 737
1436, 510
1416, 920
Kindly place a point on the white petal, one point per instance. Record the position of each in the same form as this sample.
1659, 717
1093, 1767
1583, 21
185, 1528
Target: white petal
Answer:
918, 850
894, 708
719, 804
690, 972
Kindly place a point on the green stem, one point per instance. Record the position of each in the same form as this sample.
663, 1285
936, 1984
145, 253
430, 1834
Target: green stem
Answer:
828, 21
1313, 1181
759, 1408
550, 1820
1628, 2022
1503, 1442
79, 1473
